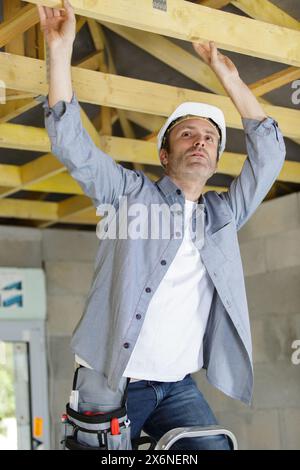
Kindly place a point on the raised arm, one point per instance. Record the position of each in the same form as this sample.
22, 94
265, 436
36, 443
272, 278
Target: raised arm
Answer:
240, 94
99, 176
264, 141
59, 27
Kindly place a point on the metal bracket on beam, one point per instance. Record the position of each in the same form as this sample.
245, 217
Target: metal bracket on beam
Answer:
160, 4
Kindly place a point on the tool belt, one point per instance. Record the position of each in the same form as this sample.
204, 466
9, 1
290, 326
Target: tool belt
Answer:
103, 431
97, 430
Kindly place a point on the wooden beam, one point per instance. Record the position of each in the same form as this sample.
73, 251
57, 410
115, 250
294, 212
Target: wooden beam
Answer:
24, 137
21, 209
190, 22
53, 212
192, 67
47, 174
9, 175
90, 62
50, 176
98, 40
132, 94
15, 44
147, 121
67, 209
80, 22
274, 81
31, 173
126, 126
264, 10
169, 53
24, 19
12, 109
213, 3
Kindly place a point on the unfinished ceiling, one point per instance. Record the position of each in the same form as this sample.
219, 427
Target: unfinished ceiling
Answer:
134, 63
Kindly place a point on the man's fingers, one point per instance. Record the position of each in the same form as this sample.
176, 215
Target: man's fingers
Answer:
42, 13
56, 12
49, 12
69, 9
213, 49
198, 47
201, 51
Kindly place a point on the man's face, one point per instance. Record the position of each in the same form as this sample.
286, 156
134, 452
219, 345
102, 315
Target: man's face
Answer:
193, 146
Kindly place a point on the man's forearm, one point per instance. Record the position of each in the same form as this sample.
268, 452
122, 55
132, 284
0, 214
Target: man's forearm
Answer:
60, 81
243, 99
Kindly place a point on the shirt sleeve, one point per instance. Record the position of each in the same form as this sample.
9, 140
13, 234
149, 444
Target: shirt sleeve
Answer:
99, 176
265, 157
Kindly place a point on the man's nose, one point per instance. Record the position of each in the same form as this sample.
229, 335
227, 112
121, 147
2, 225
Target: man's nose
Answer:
199, 141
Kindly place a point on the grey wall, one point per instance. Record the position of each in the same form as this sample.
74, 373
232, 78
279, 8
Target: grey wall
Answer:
270, 248
271, 258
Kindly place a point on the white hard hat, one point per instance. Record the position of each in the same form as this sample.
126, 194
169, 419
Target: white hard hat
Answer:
196, 109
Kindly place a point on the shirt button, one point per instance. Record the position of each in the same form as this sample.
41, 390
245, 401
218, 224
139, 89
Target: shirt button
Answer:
215, 274
138, 316
48, 113
163, 262
148, 290
126, 345
228, 303
178, 191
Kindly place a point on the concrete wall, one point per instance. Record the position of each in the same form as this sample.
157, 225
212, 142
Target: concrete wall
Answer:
270, 248
271, 258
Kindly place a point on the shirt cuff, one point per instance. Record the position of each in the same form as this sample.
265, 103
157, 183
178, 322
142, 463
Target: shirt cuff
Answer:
59, 109
256, 126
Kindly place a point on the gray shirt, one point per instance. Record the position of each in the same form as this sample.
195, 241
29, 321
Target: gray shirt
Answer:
128, 271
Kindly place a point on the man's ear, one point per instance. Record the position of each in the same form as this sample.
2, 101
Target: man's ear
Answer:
163, 156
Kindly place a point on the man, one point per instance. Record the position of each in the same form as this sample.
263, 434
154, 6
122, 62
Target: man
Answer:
161, 309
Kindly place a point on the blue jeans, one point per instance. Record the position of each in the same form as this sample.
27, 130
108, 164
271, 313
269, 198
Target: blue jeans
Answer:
158, 407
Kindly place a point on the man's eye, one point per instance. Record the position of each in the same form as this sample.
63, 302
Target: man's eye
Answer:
185, 133
209, 137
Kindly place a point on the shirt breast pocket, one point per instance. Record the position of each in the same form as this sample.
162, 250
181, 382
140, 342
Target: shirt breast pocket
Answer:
226, 240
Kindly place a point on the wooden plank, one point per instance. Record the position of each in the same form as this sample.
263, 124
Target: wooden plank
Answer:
213, 3
12, 109
274, 81
24, 19
131, 94
169, 53
32, 210
264, 10
119, 148
15, 44
190, 22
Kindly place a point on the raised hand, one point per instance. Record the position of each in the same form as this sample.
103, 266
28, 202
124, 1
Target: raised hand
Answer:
58, 25
223, 67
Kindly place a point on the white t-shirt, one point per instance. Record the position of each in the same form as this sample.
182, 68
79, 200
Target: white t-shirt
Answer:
169, 345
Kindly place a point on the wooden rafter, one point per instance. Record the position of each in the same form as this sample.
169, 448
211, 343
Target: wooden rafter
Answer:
73, 210
25, 18
15, 44
193, 68
191, 22
268, 12
171, 54
274, 81
133, 94
213, 3
47, 174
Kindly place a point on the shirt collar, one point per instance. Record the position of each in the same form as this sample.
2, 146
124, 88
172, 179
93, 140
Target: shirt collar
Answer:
169, 188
